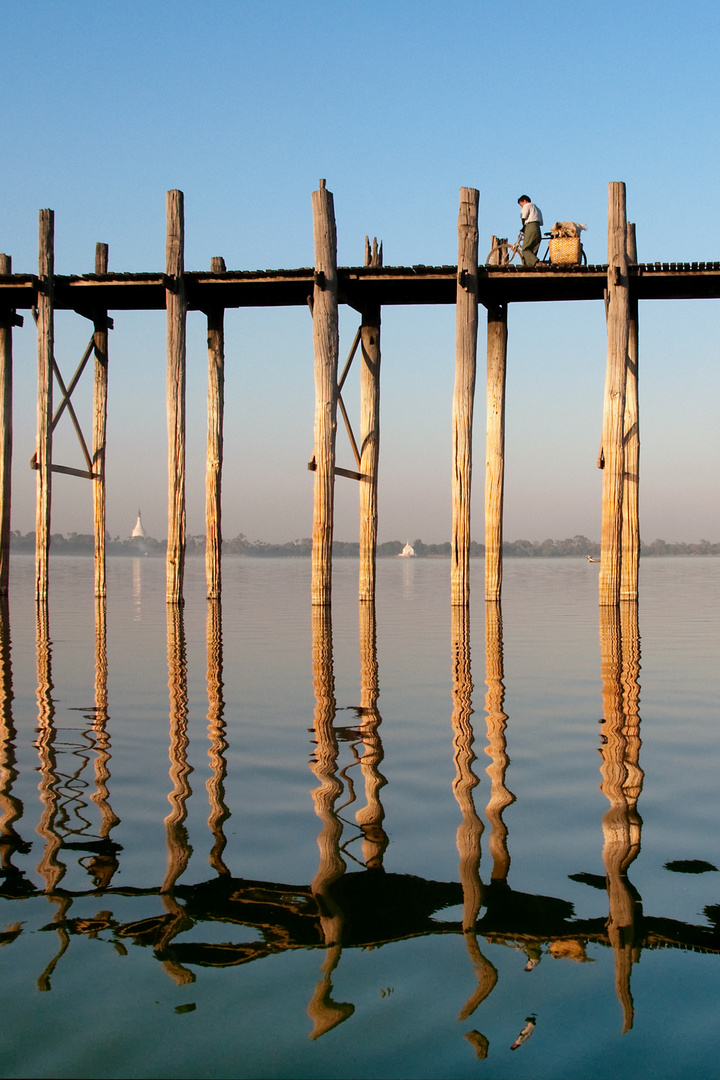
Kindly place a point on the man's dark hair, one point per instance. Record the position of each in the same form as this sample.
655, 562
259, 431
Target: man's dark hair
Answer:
524, 198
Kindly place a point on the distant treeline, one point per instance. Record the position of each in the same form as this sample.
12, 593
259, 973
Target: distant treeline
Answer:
576, 546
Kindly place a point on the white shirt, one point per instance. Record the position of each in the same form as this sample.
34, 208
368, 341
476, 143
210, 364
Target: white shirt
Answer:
530, 212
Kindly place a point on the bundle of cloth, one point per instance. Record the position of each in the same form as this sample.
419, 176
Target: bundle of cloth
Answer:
566, 228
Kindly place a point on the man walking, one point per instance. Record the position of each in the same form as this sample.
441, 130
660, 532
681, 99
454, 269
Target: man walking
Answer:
532, 220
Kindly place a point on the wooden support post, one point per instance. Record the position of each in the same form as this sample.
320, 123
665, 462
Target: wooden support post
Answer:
176, 305
369, 435
631, 435
326, 343
213, 474
463, 398
495, 450
100, 389
7, 319
618, 320
46, 333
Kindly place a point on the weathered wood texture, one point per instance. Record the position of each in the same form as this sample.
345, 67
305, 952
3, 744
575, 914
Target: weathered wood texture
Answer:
326, 344
45, 333
215, 419
497, 335
360, 286
631, 488
6, 388
369, 434
618, 325
176, 319
100, 391
464, 393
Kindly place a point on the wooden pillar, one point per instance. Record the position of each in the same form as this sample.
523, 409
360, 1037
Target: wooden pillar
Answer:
8, 319
369, 435
46, 334
325, 342
495, 449
176, 305
100, 389
631, 435
463, 398
618, 319
213, 475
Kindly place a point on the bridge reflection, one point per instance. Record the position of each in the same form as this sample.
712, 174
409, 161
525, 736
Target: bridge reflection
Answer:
353, 900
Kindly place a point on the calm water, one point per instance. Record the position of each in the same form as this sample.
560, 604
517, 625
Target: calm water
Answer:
257, 842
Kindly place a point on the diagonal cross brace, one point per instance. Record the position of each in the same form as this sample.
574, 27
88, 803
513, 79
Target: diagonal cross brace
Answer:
67, 404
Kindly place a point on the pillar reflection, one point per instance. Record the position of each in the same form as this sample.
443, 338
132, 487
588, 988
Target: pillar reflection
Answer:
102, 865
470, 830
179, 849
370, 817
621, 784
215, 785
322, 1010
496, 720
11, 808
51, 869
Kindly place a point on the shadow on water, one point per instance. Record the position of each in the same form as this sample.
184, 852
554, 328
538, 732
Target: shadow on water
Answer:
353, 900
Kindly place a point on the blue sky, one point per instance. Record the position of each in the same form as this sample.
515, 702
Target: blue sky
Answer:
244, 106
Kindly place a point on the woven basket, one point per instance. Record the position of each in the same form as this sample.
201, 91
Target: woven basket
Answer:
565, 249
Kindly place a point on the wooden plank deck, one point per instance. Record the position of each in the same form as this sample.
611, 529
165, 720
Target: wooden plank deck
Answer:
360, 286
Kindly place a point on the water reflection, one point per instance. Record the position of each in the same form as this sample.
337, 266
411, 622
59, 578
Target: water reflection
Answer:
471, 827
370, 817
496, 749
323, 1011
178, 848
621, 784
11, 808
51, 869
215, 785
103, 863
354, 899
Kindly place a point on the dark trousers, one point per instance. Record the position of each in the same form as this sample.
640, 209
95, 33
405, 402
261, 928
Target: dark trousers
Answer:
531, 243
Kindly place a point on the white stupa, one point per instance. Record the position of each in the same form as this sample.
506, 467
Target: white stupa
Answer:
138, 531
408, 552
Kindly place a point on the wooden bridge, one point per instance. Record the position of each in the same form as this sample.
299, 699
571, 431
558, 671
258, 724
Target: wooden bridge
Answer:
621, 282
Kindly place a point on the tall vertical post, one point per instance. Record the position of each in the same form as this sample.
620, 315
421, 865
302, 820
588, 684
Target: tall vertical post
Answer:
176, 306
326, 343
216, 411
464, 394
631, 436
46, 334
7, 320
369, 435
497, 334
100, 389
618, 320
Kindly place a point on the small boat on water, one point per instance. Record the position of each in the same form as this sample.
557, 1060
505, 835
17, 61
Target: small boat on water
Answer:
591, 558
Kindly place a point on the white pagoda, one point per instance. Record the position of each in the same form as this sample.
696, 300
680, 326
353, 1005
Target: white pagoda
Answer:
138, 532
